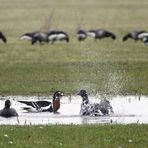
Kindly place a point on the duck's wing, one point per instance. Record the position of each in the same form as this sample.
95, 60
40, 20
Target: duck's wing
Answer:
36, 104
105, 107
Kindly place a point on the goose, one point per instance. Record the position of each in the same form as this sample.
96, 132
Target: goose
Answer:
144, 37
55, 35
133, 35
3, 37
28, 36
44, 106
35, 37
7, 111
91, 33
40, 37
81, 35
101, 34
94, 109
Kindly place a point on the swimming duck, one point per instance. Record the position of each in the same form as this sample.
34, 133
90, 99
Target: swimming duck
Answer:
3, 37
44, 106
7, 111
94, 109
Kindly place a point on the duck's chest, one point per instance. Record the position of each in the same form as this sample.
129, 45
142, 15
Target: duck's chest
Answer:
56, 105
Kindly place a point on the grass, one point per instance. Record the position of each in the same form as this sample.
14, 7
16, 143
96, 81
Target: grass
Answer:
107, 136
105, 66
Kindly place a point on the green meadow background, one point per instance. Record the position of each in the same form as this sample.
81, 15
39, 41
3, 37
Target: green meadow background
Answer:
105, 67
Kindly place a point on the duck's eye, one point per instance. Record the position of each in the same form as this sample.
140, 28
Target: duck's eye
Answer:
62, 94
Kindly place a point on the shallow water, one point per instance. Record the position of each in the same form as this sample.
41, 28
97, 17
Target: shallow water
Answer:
129, 109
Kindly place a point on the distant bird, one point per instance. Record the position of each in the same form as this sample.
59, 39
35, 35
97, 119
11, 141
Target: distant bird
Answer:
94, 109
144, 37
7, 111
44, 106
55, 35
133, 35
35, 37
91, 33
40, 37
81, 35
101, 34
3, 37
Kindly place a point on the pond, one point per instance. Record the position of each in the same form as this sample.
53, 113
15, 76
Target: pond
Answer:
127, 109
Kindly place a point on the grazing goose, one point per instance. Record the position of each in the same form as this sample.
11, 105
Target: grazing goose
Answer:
101, 34
3, 37
55, 35
133, 35
91, 33
28, 36
81, 35
40, 37
94, 109
44, 106
7, 111
35, 37
144, 37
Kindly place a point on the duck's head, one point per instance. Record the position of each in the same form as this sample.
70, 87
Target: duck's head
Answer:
58, 95
83, 94
7, 104
56, 101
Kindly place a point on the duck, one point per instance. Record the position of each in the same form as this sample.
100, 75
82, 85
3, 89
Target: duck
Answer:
44, 106
57, 35
134, 35
94, 109
7, 111
81, 35
3, 37
101, 34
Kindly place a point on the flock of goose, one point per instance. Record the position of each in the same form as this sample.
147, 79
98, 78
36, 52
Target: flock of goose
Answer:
87, 108
52, 36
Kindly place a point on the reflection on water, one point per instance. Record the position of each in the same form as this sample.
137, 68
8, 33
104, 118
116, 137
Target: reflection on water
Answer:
129, 109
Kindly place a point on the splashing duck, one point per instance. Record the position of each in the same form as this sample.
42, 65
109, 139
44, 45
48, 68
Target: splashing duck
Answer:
94, 109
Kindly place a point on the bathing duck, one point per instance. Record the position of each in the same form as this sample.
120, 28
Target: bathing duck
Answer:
94, 109
7, 111
133, 35
101, 34
44, 106
3, 37
81, 35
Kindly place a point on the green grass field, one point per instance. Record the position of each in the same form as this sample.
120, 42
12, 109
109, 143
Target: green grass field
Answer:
105, 66
87, 136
